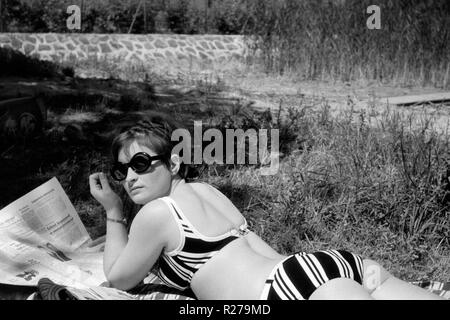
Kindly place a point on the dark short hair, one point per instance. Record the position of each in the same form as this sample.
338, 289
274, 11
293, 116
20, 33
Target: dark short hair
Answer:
153, 131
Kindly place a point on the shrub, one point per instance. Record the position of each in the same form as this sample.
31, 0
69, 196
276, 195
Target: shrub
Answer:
15, 63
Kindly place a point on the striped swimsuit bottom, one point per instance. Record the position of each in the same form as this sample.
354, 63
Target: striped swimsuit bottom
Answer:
299, 275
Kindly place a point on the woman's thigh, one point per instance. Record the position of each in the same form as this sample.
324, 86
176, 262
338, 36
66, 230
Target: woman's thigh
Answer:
341, 289
384, 286
374, 275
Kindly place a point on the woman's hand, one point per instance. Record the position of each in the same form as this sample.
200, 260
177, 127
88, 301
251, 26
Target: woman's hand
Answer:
102, 192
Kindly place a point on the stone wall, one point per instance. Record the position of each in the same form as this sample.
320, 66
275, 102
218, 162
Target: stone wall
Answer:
158, 52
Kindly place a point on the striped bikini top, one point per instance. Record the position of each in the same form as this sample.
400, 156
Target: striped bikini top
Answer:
177, 267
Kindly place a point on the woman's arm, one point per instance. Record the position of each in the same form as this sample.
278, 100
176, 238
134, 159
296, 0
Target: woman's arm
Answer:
116, 239
128, 259
148, 237
116, 233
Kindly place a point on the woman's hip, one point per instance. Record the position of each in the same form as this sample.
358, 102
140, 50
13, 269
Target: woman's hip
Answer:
300, 274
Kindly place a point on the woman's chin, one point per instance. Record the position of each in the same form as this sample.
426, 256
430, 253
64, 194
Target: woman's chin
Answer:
140, 199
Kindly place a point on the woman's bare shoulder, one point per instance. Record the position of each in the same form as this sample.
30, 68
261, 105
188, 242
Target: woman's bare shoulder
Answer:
152, 221
154, 211
206, 188
220, 201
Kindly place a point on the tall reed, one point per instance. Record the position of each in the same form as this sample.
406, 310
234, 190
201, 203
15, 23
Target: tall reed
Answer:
330, 40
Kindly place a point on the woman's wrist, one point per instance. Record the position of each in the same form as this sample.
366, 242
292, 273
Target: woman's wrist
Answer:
113, 206
123, 221
115, 213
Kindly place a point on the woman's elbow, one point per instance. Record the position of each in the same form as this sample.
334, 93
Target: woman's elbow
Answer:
120, 282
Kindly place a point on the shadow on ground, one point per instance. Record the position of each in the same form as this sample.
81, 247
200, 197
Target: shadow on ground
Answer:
82, 117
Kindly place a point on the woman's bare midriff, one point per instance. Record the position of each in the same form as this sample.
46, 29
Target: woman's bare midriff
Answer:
236, 272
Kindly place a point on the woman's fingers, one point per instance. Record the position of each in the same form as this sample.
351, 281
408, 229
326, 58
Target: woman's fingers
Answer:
104, 182
98, 181
102, 192
94, 182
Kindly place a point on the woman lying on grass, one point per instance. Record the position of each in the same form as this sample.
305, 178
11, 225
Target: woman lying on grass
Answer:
200, 240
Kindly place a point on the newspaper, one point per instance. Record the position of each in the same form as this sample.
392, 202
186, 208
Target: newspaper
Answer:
41, 235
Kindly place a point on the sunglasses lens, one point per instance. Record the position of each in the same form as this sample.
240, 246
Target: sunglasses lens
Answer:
119, 172
140, 163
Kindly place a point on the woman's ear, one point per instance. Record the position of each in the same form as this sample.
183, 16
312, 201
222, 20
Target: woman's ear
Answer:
175, 163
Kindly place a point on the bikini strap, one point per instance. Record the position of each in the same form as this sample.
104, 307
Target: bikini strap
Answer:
179, 221
243, 228
184, 222
179, 217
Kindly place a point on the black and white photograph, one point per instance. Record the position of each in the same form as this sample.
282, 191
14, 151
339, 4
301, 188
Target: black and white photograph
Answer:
236, 151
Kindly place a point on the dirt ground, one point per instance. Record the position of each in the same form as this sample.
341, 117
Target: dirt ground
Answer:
257, 89
271, 92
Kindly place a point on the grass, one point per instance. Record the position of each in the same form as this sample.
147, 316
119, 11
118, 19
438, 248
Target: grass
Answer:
376, 183
379, 189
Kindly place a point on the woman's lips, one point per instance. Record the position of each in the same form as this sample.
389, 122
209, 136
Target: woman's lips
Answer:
134, 189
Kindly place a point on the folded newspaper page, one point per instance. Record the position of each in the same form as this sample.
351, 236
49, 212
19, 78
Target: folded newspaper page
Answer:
41, 235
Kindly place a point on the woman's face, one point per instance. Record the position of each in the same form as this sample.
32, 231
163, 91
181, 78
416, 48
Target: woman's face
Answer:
145, 187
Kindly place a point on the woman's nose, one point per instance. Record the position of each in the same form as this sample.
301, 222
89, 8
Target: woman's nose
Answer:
131, 175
